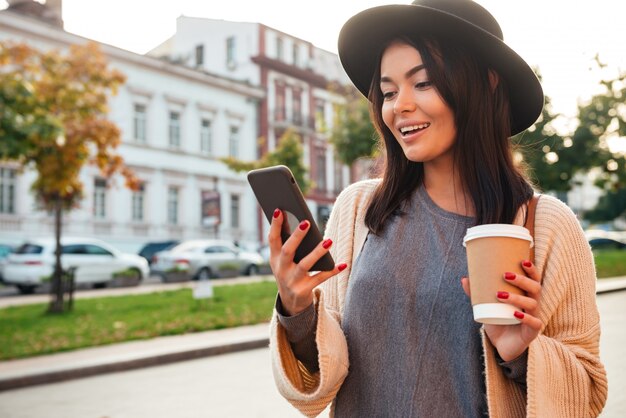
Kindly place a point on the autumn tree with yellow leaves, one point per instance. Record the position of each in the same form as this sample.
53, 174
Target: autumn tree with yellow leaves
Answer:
53, 119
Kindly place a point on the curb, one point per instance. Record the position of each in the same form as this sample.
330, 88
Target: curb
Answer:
158, 360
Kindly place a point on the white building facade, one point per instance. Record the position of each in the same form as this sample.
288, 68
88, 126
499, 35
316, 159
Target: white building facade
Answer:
302, 85
176, 123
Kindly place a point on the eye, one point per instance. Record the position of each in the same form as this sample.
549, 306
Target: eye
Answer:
423, 85
388, 94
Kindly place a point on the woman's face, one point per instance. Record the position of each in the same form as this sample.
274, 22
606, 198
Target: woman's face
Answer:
412, 109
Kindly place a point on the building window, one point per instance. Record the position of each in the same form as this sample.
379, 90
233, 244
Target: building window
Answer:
320, 116
139, 123
199, 55
233, 142
296, 55
174, 129
172, 205
231, 52
297, 107
234, 211
321, 169
206, 139
99, 198
138, 199
7, 190
338, 176
279, 49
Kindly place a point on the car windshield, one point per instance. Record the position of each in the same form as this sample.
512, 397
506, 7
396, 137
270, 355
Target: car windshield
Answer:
29, 249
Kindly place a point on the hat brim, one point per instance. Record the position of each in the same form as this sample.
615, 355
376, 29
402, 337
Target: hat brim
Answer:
363, 36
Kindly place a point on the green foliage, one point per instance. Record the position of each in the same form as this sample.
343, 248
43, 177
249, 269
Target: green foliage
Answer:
288, 152
609, 207
25, 332
353, 135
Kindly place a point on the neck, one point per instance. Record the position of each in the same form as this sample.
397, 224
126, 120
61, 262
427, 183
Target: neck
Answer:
445, 188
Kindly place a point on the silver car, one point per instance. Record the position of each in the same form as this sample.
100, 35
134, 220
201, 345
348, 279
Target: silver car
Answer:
204, 259
97, 262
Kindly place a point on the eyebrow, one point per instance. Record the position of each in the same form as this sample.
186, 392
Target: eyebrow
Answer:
408, 74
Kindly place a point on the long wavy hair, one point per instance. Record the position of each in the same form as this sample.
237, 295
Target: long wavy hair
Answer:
483, 152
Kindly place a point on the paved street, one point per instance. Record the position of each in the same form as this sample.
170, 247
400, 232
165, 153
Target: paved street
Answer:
237, 385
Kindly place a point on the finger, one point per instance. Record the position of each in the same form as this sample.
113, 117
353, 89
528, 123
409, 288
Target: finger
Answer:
466, 287
522, 302
274, 239
531, 270
525, 283
306, 264
322, 276
291, 245
530, 320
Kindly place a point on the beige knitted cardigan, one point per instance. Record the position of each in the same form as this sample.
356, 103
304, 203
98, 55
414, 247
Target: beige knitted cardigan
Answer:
565, 377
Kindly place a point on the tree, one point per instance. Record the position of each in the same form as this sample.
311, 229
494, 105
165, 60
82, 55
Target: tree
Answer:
53, 119
353, 135
288, 152
604, 118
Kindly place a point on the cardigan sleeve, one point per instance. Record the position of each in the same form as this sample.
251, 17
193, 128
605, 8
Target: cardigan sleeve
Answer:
310, 392
565, 376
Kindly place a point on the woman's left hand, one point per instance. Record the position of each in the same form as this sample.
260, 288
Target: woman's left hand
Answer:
512, 340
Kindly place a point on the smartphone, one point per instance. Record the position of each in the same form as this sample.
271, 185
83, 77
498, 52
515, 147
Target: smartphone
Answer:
276, 188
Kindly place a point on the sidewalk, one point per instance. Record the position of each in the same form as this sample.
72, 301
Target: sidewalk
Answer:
157, 351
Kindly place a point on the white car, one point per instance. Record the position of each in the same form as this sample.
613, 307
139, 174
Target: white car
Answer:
204, 259
32, 263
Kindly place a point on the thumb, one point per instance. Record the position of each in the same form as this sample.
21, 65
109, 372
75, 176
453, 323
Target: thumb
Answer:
465, 284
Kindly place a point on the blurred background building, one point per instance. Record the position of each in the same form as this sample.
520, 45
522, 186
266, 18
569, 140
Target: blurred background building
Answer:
210, 91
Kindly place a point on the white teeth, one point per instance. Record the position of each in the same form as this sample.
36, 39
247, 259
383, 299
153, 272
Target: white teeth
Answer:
406, 129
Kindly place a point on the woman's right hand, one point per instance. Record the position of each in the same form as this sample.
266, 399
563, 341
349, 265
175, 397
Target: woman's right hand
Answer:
295, 284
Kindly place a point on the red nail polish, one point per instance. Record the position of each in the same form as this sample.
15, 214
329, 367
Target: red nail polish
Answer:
509, 275
327, 243
342, 266
503, 295
303, 225
527, 263
519, 315
276, 213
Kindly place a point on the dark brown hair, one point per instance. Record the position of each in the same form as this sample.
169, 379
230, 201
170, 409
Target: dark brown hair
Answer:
483, 153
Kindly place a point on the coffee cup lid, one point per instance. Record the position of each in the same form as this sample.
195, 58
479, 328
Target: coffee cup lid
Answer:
497, 230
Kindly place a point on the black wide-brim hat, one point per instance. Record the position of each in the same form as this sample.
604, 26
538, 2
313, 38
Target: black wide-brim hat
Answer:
365, 34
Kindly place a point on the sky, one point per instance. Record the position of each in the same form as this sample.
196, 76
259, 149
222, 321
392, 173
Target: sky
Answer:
559, 37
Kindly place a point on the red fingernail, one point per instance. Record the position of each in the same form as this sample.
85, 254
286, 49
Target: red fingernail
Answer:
503, 295
526, 263
303, 225
276, 213
509, 275
326, 244
519, 315
342, 266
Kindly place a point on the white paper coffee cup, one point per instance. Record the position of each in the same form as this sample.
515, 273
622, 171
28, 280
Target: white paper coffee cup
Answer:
492, 250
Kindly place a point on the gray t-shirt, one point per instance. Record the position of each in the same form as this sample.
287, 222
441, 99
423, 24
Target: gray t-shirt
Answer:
414, 348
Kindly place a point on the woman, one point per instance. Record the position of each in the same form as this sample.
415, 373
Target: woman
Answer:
389, 332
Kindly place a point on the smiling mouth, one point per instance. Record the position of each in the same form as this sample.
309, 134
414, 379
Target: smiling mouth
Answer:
408, 130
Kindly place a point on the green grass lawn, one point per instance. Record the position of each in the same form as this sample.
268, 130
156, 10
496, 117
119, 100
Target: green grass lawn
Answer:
27, 330
610, 263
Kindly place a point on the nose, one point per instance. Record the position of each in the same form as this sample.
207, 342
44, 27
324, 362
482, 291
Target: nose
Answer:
405, 101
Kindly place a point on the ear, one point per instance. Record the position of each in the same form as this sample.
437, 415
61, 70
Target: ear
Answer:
494, 79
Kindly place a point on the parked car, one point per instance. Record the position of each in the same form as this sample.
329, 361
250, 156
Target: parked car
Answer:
96, 262
204, 259
151, 248
606, 244
5, 250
